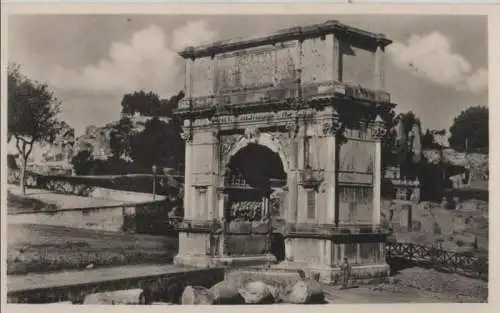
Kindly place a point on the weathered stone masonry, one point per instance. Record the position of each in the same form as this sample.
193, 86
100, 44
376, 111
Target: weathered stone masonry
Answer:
292, 96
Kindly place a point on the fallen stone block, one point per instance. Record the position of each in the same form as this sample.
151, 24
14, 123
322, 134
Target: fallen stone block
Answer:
306, 292
257, 292
226, 292
119, 297
196, 295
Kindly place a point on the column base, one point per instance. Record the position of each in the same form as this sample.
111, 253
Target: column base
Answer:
361, 273
201, 261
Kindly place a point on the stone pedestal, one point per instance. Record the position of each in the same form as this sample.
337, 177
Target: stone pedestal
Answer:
332, 275
194, 251
205, 261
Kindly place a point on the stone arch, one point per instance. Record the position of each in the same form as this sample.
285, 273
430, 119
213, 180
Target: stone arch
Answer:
265, 140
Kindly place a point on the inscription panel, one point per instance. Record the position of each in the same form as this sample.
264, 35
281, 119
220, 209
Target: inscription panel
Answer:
263, 117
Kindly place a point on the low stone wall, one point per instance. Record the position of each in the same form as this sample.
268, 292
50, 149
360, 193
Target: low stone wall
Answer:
121, 195
108, 218
154, 285
144, 218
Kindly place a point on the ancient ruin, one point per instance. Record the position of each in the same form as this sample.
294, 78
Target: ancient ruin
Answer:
283, 140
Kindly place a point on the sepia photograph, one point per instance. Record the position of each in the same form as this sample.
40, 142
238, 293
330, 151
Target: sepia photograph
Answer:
176, 159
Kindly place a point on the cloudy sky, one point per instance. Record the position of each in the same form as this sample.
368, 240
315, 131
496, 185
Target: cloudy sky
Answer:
437, 65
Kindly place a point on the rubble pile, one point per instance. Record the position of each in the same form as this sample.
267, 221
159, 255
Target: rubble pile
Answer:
448, 283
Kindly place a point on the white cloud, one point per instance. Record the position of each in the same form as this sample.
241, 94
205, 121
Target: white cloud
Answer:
431, 57
478, 81
148, 60
192, 34
143, 62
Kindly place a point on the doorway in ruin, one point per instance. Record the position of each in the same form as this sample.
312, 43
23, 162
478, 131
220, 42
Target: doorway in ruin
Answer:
256, 186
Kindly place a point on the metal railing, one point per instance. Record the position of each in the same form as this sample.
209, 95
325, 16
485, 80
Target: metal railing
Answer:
457, 262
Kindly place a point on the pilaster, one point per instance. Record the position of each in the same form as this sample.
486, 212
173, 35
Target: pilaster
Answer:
330, 130
378, 133
187, 135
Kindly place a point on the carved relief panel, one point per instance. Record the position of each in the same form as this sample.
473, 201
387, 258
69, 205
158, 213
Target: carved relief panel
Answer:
287, 63
227, 74
357, 156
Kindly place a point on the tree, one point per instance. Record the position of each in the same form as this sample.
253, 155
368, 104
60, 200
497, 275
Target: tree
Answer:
120, 136
32, 115
147, 104
470, 129
82, 162
429, 138
158, 144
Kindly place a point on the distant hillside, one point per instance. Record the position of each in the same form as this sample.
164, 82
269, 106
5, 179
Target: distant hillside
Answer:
97, 139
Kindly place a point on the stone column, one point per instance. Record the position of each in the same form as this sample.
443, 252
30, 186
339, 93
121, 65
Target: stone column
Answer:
188, 138
378, 132
379, 80
215, 175
330, 129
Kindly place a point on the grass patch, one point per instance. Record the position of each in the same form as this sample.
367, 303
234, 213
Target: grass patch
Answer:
44, 248
16, 203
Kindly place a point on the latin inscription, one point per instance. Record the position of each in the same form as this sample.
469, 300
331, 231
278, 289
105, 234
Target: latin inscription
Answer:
261, 117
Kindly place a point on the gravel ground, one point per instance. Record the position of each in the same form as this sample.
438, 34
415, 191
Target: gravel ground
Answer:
435, 286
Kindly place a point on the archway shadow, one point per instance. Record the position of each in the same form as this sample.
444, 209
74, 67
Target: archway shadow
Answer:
278, 246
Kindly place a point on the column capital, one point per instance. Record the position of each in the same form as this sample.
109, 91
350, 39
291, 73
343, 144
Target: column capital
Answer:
331, 128
187, 134
378, 130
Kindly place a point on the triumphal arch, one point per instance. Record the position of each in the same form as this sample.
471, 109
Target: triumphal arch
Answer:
283, 148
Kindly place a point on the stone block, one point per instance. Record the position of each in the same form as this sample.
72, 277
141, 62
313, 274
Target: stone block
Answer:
226, 292
306, 292
258, 292
119, 297
194, 295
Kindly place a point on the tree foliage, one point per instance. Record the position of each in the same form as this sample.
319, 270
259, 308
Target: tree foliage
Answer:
470, 126
82, 162
429, 138
120, 138
149, 104
32, 115
158, 144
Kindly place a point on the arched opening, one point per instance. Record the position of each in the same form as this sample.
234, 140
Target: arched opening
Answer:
255, 182
258, 167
